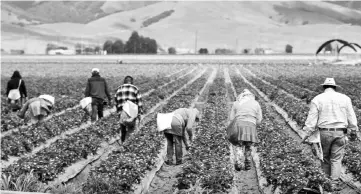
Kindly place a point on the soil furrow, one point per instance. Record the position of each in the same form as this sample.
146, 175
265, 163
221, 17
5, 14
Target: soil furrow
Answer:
165, 178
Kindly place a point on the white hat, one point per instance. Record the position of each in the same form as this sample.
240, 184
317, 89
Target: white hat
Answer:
48, 98
330, 82
95, 70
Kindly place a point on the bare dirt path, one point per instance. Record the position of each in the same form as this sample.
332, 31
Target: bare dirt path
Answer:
165, 178
245, 182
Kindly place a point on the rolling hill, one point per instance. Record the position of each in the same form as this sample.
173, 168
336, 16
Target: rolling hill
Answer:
230, 24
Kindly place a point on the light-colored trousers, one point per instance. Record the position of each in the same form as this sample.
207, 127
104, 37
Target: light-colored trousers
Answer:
333, 147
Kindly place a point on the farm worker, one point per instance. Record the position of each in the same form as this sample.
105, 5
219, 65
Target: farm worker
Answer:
16, 91
184, 119
97, 89
40, 107
332, 114
128, 92
245, 114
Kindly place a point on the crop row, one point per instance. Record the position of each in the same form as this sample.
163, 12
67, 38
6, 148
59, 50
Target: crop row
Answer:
126, 166
297, 110
70, 91
312, 77
26, 139
52, 160
284, 162
209, 161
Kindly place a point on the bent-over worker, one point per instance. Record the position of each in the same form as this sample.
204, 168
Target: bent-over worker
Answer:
184, 119
245, 114
40, 108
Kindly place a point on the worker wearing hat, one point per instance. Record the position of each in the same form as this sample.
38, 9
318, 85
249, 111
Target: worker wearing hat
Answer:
332, 114
40, 107
97, 89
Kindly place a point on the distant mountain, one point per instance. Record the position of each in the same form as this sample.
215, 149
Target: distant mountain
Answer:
303, 24
69, 11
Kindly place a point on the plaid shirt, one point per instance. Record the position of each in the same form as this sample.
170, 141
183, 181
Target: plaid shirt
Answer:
131, 93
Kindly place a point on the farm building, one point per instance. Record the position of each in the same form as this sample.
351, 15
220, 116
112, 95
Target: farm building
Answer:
61, 52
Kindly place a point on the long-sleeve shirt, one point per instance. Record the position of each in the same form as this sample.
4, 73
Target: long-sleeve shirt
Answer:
186, 118
38, 106
249, 111
128, 92
331, 109
14, 84
97, 88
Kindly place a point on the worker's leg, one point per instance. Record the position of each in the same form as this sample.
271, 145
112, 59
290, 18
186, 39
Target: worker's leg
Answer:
100, 108
178, 149
248, 155
123, 130
238, 156
130, 131
94, 112
326, 140
337, 153
170, 148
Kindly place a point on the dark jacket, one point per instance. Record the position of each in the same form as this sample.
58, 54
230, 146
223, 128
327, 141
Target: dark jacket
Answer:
14, 84
97, 88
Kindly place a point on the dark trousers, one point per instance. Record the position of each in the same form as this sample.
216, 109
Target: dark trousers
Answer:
170, 148
97, 109
127, 131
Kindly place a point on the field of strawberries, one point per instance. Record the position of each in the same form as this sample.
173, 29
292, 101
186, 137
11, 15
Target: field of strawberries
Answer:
53, 151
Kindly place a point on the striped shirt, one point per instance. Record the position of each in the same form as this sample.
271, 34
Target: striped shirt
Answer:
128, 92
331, 110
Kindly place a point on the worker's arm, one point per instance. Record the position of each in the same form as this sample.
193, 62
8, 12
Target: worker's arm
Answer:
87, 89
140, 103
107, 92
259, 115
351, 117
232, 113
311, 121
190, 123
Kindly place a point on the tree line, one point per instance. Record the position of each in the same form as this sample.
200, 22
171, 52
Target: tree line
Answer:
135, 44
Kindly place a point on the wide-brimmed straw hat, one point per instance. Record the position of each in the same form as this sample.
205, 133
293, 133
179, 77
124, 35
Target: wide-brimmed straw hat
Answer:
330, 82
49, 98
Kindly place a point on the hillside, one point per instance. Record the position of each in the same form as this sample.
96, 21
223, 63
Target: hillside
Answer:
68, 11
305, 25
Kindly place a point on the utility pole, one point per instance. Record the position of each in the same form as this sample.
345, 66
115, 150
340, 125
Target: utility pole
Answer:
236, 46
195, 44
25, 42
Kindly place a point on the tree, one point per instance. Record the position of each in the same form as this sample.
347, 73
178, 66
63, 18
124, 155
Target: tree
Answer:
289, 48
246, 51
132, 45
171, 50
118, 47
97, 49
78, 48
108, 46
203, 51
